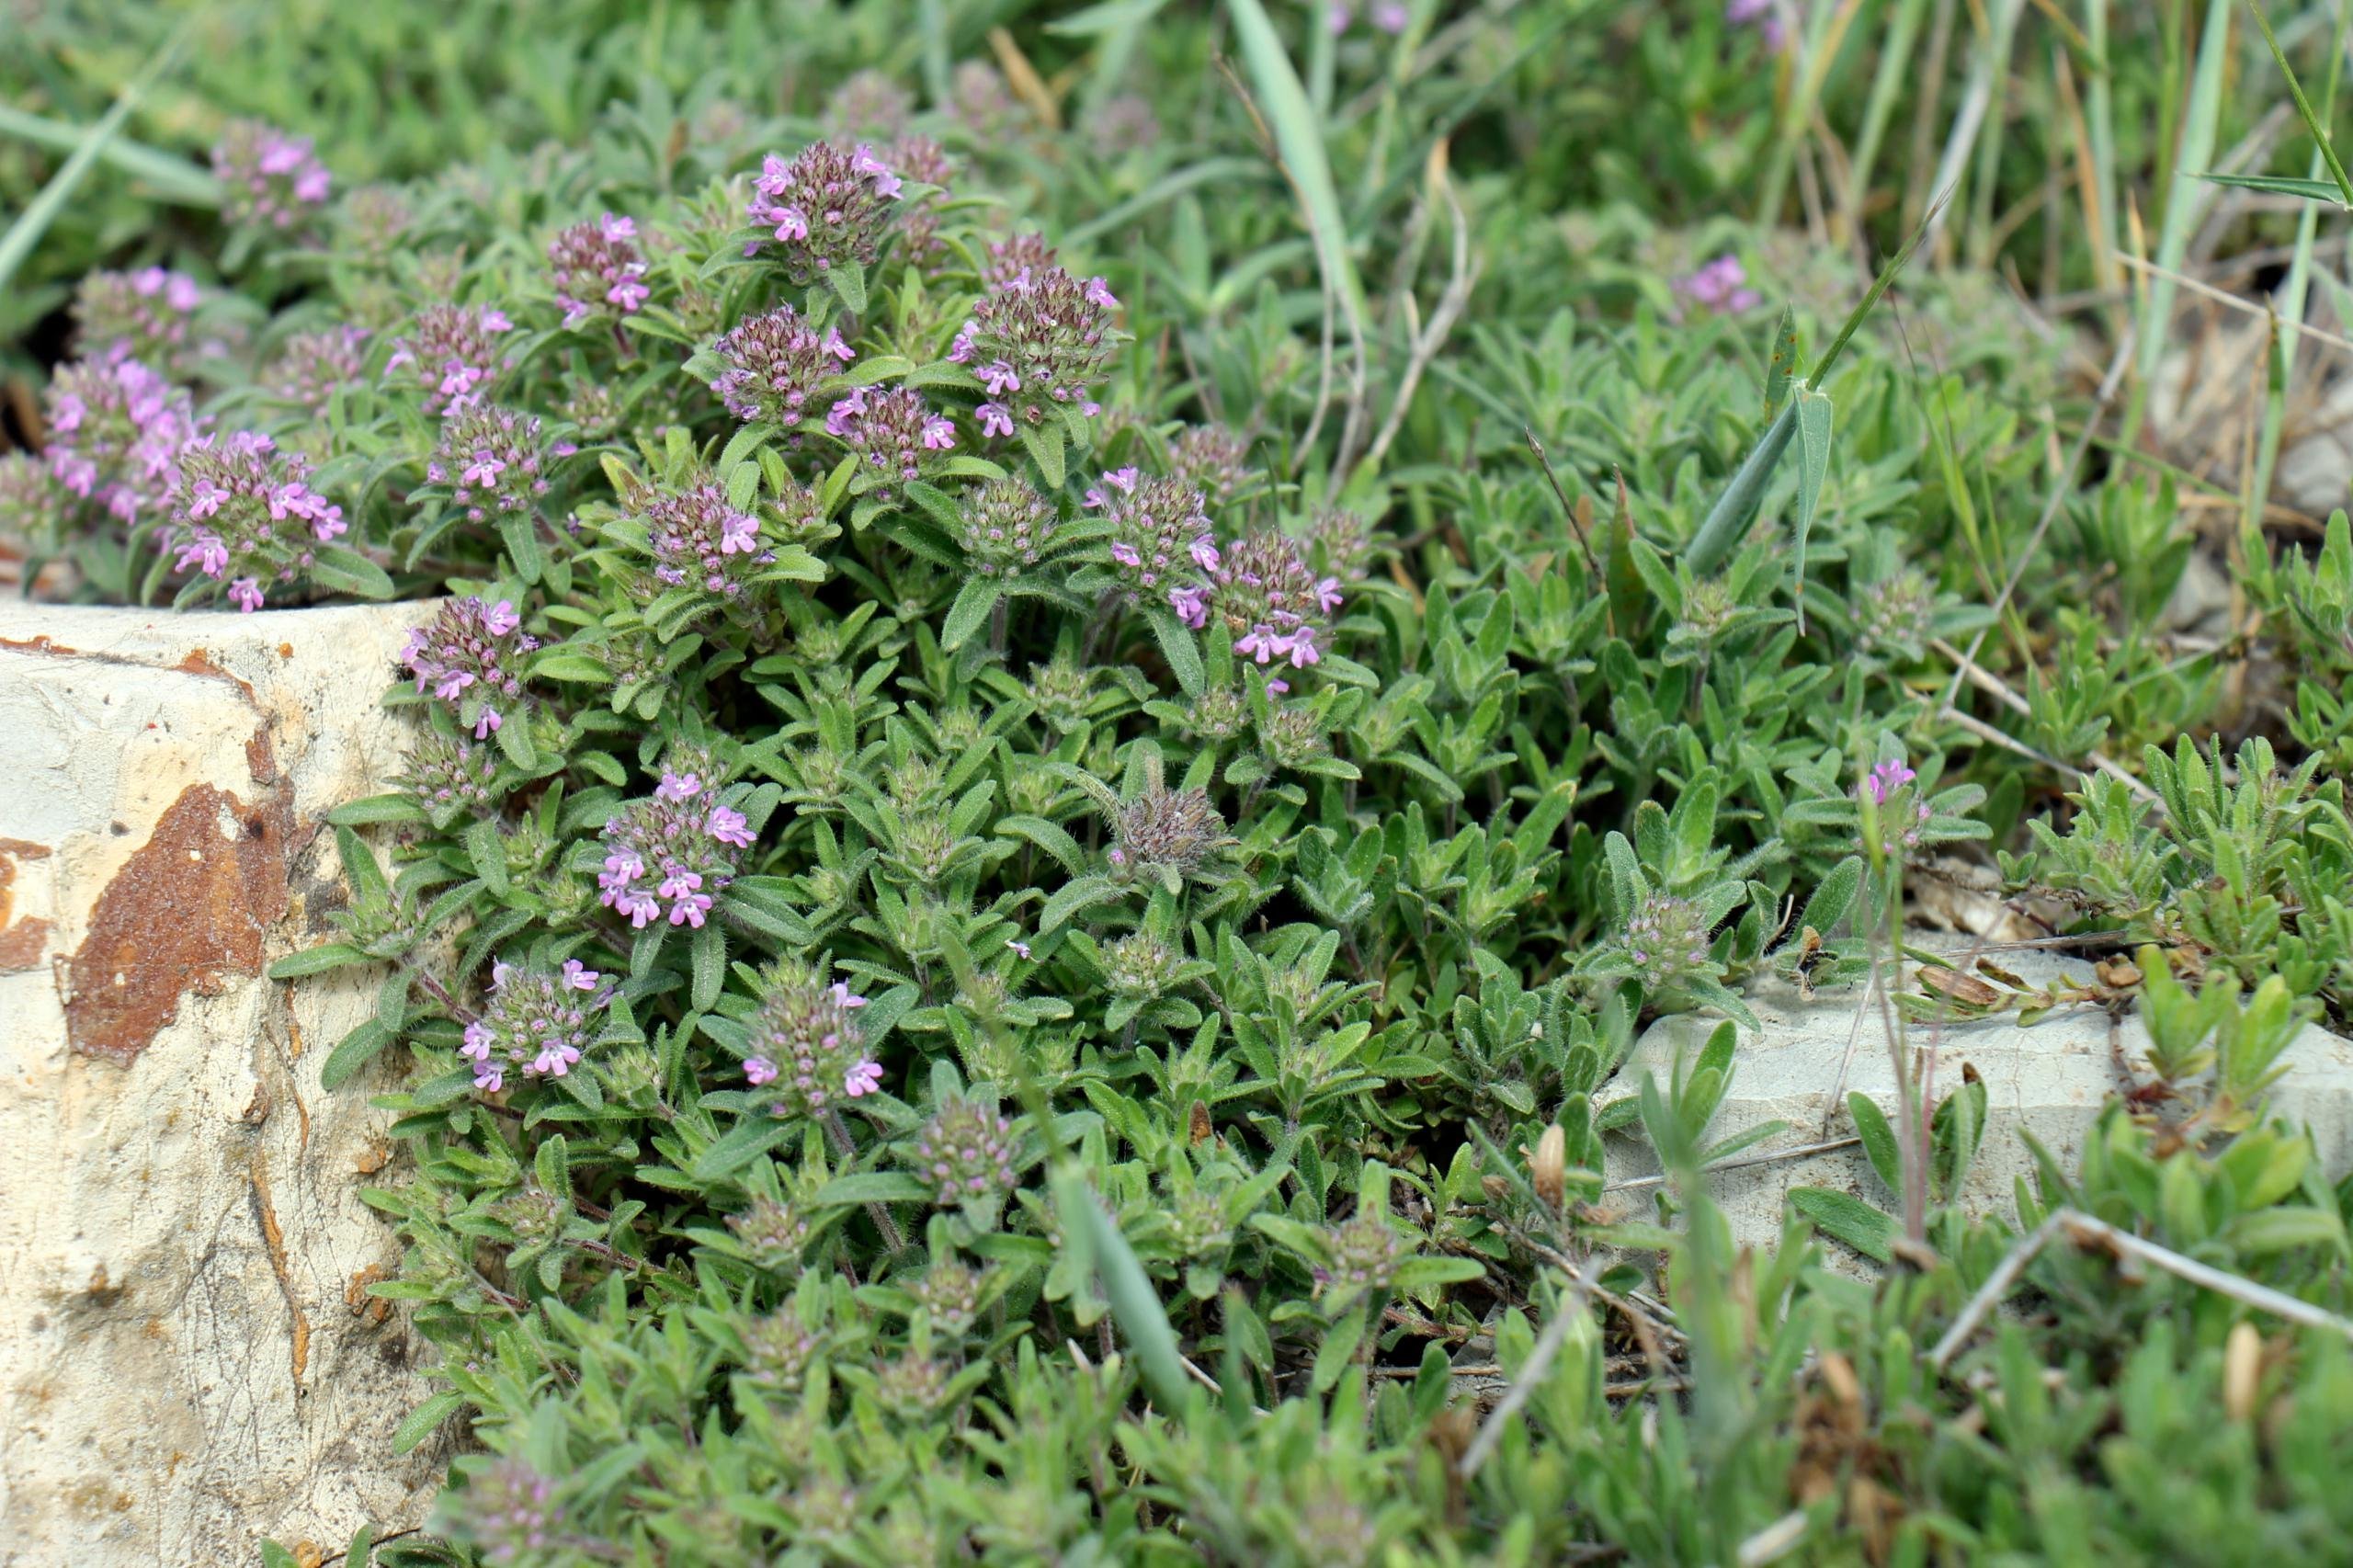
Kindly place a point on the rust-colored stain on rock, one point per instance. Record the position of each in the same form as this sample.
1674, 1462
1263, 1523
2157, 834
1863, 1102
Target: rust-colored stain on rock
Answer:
21, 943
186, 912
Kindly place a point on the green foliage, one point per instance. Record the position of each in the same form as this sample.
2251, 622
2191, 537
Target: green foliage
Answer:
1116, 1091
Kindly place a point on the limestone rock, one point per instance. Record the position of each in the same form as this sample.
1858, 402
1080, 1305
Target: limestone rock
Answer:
187, 1358
2050, 1080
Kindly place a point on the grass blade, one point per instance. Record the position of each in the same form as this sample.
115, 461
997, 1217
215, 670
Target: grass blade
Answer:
170, 178
2304, 106
34, 220
1299, 137
2182, 208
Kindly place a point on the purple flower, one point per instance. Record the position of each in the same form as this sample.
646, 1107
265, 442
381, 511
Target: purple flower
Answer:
243, 508
892, 430
1720, 286
826, 208
1191, 605
534, 1021
463, 657
314, 366
596, 266
1883, 781
1044, 339
845, 999
773, 362
807, 1036
492, 459
1204, 553
1020, 948
667, 850
116, 432
759, 1070
269, 180
697, 537
995, 419
148, 315
447, 353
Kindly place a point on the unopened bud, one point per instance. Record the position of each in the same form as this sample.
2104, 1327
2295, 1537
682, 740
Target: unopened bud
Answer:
2242, 1371
1548, 1169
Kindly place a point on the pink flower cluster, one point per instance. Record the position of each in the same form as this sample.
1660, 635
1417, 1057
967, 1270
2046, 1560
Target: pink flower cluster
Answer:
244, 513
534, 1021
269, 180
697, 537
1764, 15
146, 315
115, 428
1899, 829
826, 208
1036, 341
680, 849
1883, 781
491, 458
463, 656
1268, 595
1025, 254
896, 430
806, 1047
773, 361
598, 271
1722, 285
450, 354
314, 366
1158, 529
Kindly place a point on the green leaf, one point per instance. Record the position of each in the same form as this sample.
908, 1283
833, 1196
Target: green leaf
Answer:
317, 961
1134, 1302
2344, 193
487, 850
1338, 1352
1299, 137
1073, 897
334, 566
1813, 462
1846, 1218
849, 285
425, 1420
352, 1052
743, 1143
1784, 362
1176, 645
872, 1186
708, 948
1879, 1144
1045, 444
2281, 184
395, 807
2268, 1231
969, 612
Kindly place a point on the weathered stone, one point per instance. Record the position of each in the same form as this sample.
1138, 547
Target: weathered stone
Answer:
2050, 1079
188, 1360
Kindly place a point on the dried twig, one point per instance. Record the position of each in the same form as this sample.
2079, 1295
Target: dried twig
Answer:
2084, 1231
1771, 1157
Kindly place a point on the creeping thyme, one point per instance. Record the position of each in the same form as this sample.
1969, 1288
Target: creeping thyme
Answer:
1024, 253
510, 1512
825, 208
535, 1021
449, 354
492, 458
244, 514
1038, 342
672, 853
1363, 1256
149, 315
807, 1053
269, 178
896, 432
699, 539
964, 1153
1272, 603
1211, 459
598, 271
1160, 536
1007, 527
116, 432
450, 778
467, 656
1667, 937
313, 367
1162, 829
773, 362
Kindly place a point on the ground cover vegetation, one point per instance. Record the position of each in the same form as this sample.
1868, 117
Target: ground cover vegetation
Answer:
1095, 664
